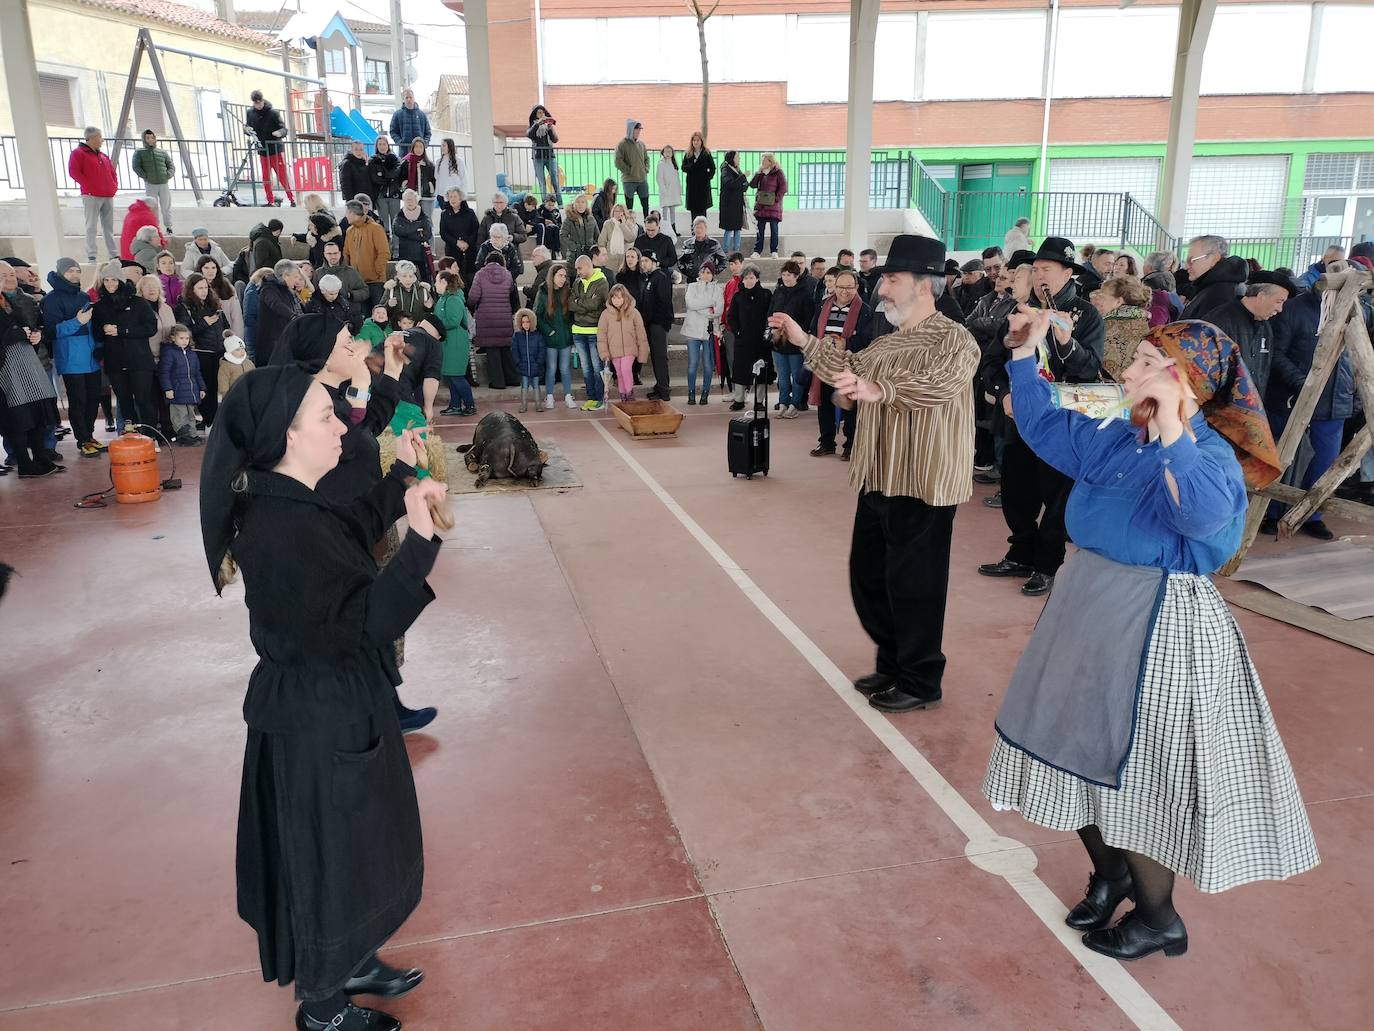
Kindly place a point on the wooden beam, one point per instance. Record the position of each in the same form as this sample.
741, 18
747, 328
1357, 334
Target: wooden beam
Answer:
122, 125
1329, 343
1356, 510
166, 91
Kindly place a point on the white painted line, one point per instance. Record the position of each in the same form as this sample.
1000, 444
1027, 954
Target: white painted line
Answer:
986, 849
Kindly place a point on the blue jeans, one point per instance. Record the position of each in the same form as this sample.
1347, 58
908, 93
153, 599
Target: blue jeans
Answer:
459, 392
632, 190
591, 365
730, 242
546, 167
700, 354
1325, 437
558, 362
772, 225
789, 367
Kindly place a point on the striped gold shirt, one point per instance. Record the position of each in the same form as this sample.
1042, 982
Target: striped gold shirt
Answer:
918, 440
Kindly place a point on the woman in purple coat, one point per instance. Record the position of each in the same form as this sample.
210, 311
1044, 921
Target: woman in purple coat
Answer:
769, 186
494, 302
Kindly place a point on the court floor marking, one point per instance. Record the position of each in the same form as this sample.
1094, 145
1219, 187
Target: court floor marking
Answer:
986, 849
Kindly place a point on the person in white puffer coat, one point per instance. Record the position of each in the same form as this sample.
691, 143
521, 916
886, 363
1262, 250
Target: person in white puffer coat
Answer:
705, 306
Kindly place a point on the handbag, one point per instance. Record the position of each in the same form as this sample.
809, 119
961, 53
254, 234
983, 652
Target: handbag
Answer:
765, 197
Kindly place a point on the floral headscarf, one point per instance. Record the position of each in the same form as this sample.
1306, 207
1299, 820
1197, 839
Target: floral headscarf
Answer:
1230, 403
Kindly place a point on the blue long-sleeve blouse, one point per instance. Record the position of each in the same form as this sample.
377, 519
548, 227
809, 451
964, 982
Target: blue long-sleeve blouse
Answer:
1120, 506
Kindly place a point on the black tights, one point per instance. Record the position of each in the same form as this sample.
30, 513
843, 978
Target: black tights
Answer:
1154, 884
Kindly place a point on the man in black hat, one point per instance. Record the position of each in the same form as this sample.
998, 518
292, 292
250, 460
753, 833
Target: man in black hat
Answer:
946, 304
1034, 493
912, 465
1246, 321
973, 285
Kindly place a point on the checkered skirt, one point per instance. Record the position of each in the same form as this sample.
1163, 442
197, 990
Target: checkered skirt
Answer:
1207, 789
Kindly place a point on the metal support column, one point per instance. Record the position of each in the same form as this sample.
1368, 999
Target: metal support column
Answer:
31, 134
1194, 24
479, 100
858, 161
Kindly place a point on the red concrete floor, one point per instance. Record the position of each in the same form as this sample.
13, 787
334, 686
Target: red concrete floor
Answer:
643, 807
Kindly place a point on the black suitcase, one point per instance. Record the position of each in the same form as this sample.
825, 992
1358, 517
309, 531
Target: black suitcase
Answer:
747, 445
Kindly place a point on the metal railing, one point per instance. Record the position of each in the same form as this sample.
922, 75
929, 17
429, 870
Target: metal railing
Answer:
1295, 253
931, 200
312, 166
815, 178
1142, 232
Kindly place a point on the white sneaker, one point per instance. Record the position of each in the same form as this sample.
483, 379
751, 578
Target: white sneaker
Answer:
569, 401
548, 403
788, 412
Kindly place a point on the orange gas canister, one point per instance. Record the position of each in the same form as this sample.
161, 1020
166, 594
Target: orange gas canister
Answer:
133, 467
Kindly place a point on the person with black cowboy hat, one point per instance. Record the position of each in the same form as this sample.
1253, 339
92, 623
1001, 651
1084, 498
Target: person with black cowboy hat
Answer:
946, 304
1034, 493
1246, 320
912, 464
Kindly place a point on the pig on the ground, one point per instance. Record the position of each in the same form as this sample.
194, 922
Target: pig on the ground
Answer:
502, 447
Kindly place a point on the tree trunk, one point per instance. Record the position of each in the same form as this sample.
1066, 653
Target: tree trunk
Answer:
705, 74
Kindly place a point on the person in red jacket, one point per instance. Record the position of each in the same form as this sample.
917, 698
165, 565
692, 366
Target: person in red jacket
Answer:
90, 168
138, 216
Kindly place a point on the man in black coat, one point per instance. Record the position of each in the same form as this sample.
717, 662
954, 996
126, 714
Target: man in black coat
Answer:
660, 245
1215, 278
833, 319
424, 364
655, 304
1247, 322
700, 248
265, 122
278, 303
1034, 493
354, 177
973, 285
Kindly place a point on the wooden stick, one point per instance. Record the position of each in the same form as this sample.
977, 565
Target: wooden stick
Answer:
1356, 510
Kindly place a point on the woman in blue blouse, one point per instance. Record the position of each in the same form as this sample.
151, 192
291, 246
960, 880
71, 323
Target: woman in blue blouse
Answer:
1135, 716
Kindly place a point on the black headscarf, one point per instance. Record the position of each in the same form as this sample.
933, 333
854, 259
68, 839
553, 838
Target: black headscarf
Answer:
249, 433
309, 338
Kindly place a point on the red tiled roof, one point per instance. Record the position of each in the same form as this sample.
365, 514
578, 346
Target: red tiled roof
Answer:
183, 17
453, 85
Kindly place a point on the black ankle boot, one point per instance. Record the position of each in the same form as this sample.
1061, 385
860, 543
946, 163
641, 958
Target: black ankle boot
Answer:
350, 1018
1099, 904
1133, 938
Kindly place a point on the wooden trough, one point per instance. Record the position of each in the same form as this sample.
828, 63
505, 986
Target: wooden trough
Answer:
647, 418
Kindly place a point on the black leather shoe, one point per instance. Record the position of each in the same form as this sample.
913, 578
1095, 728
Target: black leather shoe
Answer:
894, 699
350, 1018
873, 683
1037, 585
1099, 904
986, 478
1005, 567
1319, 530
385, 981
822, 451
1132, 938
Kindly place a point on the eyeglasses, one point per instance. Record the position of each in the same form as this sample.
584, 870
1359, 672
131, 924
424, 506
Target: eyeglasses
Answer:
1190, 261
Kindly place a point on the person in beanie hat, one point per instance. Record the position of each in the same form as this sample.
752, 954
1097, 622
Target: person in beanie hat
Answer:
912, 465
67, 315
154, 166
201, 246
234, 365
1034, 492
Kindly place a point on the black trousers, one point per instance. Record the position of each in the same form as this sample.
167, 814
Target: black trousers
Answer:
1033, 498
899, 579
501, 368
825, 415
658, 355
30, 449
83, 403
984, 447
209, 371
136, 392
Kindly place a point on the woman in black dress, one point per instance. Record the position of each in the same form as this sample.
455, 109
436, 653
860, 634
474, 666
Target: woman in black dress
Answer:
733, 185
753, 339
330, 859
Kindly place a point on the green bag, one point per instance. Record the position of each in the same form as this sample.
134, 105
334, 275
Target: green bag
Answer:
765, 197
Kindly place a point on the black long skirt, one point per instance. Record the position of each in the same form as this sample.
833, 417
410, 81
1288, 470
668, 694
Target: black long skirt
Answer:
330, 857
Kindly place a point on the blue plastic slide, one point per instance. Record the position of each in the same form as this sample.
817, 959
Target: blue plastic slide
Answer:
351, 125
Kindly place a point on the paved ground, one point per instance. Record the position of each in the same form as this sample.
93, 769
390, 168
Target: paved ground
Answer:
649, 802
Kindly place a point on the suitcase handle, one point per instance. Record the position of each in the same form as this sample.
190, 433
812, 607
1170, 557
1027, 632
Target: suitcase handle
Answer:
760, 403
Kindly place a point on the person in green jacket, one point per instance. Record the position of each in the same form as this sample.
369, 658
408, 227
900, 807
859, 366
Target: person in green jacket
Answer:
553, 311
579, 232
154, 166
633, 162
587, 300
376, 328
452, 310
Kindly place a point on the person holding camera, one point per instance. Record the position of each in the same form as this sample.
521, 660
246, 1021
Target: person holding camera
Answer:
543, 136
264, 123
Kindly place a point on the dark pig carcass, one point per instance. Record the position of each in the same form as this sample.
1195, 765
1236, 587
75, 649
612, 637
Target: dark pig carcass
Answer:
502, 447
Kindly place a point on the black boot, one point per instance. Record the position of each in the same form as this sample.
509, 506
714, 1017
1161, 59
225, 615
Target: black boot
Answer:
1132, 938
873, 683
350, 1018
1099, 904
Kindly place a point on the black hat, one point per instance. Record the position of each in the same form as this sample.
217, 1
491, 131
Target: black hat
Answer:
952, 267
1273, 279
1019, 258
1057, 248
973, 265
911, 253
